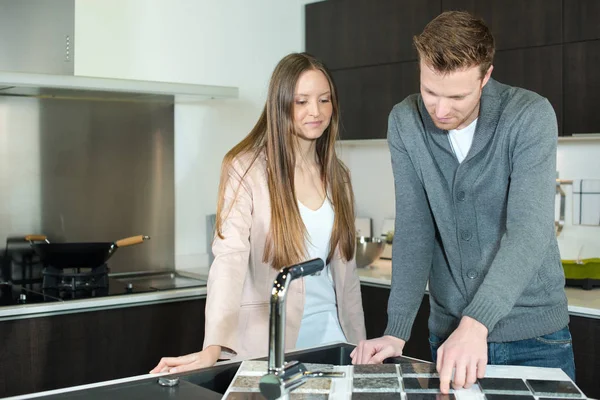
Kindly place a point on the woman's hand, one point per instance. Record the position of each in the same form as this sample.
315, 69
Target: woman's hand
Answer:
205, 358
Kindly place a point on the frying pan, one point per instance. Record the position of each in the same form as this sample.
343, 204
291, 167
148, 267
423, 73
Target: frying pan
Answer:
78, 255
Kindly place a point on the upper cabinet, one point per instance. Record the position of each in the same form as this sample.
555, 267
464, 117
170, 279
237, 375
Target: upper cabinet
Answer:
551, 47
350, 34
581, 20
516, 23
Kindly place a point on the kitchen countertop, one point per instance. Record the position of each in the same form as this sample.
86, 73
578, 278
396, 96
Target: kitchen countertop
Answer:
100, 303
584, 303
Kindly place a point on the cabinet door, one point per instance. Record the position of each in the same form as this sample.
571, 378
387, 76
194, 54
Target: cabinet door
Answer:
59, 351
586, 336
368, 94
582, 87
538, 69
581, 20
356, 33
375, 302
516, 23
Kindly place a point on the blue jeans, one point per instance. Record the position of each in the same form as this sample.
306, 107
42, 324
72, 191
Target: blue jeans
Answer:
553, 351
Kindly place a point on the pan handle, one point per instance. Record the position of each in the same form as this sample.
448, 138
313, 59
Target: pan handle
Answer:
130, 241
36, 238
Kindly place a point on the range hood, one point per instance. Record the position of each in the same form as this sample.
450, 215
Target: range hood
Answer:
37, 60
90, 88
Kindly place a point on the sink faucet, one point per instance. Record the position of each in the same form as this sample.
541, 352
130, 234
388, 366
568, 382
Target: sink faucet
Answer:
283, 377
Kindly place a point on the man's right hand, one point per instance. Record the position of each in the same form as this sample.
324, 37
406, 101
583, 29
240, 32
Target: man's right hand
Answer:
205, 358
374, 351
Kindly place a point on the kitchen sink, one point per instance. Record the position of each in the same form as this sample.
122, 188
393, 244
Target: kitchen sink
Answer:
160, 280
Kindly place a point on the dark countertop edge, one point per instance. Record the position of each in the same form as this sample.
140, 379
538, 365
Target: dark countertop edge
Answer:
100, 303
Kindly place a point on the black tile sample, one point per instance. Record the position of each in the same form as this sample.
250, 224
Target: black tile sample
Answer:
376, 384
429, 396
490, 396
376, 396
375, 369
421, 383
554, 388
417, 368
503, 384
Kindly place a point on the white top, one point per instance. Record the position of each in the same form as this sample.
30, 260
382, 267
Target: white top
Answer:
320, 323
461, 140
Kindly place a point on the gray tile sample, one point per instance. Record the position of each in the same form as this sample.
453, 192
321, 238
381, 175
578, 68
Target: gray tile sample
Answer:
245, 382
503, 385
430, 396
380, 369
417, 368
494, 396
372, 384
553, 388
245, 396
421, 383
308, 396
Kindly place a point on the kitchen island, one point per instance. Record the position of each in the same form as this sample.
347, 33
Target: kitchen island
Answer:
214, 382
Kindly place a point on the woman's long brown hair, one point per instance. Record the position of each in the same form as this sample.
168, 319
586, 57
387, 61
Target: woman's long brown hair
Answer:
274, 136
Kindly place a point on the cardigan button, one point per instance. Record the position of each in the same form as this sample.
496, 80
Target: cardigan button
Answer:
472, 274
466, 235
461, 196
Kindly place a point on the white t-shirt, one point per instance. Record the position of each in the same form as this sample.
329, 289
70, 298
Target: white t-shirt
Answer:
461, 140
320, 323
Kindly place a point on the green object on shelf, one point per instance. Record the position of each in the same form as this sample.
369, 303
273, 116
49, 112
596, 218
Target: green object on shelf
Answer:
588, 268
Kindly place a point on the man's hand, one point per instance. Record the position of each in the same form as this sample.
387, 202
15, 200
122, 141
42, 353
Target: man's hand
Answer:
466, 352
374, 351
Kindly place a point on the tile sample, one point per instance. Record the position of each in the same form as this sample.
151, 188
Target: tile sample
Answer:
417, 368
375, 369
553, 388
496, 396
373, 384
307, 396
245, 396
376, 396
503, 385
421, 383
430, 396
245, 383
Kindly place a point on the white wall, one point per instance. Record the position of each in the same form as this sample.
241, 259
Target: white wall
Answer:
369, 162
217, 42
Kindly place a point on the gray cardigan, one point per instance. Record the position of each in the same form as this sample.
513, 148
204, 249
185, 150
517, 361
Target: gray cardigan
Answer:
481, 231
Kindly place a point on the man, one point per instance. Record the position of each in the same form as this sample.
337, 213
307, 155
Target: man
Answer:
474, 170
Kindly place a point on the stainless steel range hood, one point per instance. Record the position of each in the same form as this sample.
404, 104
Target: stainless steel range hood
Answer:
89, 88
37, 59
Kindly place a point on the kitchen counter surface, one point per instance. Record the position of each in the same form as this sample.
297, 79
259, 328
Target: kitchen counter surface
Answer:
100, 303
585, 303
146, 386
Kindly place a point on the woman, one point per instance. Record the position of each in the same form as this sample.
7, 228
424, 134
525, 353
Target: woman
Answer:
284, 198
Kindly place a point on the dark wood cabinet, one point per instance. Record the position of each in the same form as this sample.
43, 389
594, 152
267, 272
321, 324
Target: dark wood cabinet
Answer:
59, 351
367, 96
538, 69
516, 23
364, 33
375, 301
547, 46
582, 87
581, 20
586, 348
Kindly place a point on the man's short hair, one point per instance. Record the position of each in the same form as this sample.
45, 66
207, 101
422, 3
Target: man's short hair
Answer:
456, 40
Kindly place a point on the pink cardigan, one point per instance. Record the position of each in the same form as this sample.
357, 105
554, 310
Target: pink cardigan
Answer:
239, 283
